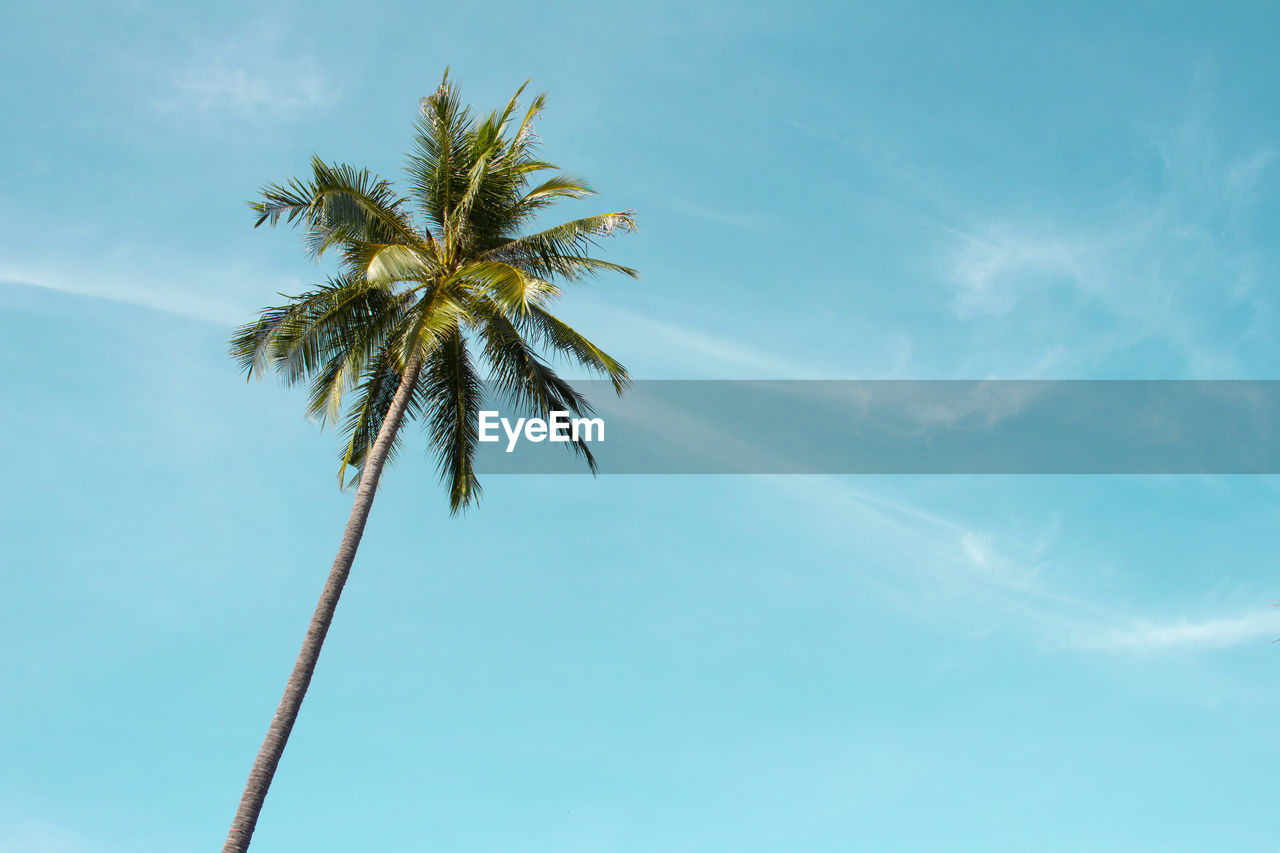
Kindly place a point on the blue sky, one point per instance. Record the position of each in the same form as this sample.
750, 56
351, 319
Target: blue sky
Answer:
645, 663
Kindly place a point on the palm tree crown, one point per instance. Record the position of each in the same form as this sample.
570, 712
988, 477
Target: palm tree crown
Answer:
426, 279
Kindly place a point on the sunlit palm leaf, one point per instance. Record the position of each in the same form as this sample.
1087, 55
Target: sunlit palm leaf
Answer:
450, 395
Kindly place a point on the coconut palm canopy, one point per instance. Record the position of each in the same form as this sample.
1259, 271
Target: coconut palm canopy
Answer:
446, 291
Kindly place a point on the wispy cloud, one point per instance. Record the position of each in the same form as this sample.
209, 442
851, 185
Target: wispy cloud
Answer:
682, 351
1250, 626
255, 75
220, 86
1169, 258
992, 270
921, 558
199, 294
980, 579
27, 837
717, 354
21, 832
755, 221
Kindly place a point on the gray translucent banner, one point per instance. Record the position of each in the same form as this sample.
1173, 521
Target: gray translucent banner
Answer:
909, 427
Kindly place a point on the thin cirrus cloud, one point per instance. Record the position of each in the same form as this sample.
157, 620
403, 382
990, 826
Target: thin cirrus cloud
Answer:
1252, 625
198, 296
930, 564
246, 78
672, 350
1149, 259
26, 836
942, 569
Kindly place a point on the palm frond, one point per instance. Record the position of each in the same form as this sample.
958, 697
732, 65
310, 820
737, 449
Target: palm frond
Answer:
350, 359
385, 264
520, 374
300, 337
434, 318
450, 395
524, 136
507, 285
377, 390
550, 191
563, 249
338, 205
557, 335
459, 216
437, 164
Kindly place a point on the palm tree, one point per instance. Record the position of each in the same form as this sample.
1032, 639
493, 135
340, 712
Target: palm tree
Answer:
422, 281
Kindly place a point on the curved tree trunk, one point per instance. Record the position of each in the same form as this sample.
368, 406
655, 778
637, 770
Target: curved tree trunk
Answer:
264, 766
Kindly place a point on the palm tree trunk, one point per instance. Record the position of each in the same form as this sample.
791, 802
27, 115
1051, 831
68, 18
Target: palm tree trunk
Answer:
264, 766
